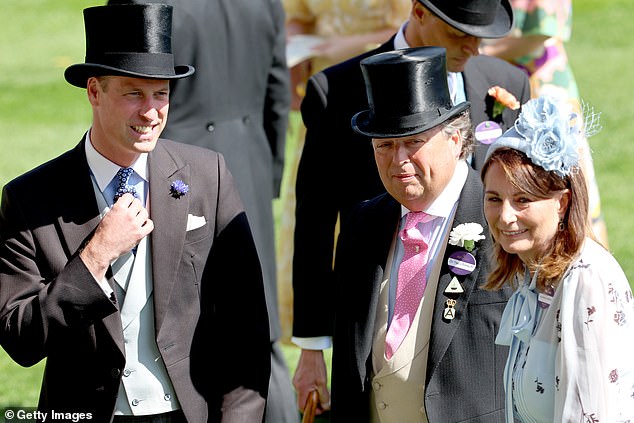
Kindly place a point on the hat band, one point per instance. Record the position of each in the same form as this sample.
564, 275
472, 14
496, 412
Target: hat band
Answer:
160, 64
409, 121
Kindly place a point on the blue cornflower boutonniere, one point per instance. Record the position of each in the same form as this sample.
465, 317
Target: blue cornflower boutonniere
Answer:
178, 188
466, 235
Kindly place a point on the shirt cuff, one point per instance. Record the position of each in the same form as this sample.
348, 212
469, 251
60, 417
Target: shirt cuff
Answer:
314, 343
105, 287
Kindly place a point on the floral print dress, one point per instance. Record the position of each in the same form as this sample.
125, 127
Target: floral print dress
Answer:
571, 356
548, 68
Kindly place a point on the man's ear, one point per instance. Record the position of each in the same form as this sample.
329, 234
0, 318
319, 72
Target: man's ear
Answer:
93, 89
418, 11
456, 140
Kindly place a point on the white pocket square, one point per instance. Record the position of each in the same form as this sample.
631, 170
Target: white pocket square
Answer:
195, 222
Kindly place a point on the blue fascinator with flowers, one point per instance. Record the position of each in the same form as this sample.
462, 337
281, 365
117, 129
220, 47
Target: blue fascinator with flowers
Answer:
548, 132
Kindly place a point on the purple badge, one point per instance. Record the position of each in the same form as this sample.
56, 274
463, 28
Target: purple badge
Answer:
461, 263
487, 132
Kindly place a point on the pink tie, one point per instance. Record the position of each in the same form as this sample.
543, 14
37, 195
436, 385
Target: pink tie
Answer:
411, 281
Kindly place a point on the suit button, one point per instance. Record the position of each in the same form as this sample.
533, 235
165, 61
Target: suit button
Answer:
377, 386
210, 127
115, 372
135, 402
382, 405
126, 372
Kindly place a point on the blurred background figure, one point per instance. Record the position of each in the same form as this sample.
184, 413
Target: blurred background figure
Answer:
238, 104
537, 45
348, 28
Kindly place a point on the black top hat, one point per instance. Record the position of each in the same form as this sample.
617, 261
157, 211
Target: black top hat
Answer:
480, 18
407, 92
128, 40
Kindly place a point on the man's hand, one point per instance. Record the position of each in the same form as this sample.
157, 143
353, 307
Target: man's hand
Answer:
120, 230
310, 375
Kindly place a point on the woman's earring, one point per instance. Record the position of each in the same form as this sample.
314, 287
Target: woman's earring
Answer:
561, 225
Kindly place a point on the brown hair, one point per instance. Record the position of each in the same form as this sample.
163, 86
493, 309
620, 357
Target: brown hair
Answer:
566, 245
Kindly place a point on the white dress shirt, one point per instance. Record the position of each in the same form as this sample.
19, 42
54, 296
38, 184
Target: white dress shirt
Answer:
102, 172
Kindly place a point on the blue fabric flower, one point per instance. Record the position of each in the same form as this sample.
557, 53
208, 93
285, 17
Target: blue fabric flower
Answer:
547, 131
178, 188
546, 126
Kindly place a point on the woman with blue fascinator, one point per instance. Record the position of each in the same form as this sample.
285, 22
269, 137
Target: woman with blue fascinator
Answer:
570, 322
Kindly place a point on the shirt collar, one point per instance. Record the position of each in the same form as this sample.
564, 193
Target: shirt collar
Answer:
443, 205
400, 41
104, 170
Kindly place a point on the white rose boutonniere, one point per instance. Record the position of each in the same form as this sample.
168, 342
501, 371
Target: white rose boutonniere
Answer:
466, 235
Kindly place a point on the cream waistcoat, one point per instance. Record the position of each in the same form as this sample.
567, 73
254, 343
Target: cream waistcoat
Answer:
145, 385
398, 384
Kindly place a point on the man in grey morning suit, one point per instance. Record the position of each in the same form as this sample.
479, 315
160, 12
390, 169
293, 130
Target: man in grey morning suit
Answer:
237, 104
128, 262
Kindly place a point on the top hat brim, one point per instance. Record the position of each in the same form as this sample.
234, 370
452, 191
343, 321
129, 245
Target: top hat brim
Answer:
364, 124
78, 74
500, 27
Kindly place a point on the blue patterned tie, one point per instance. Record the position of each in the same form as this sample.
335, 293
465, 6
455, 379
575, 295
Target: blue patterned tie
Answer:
122, 183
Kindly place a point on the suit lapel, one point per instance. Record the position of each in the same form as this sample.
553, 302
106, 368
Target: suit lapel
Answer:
474, 83
78, 211
442, 331
362, 327
79, 216
169, 215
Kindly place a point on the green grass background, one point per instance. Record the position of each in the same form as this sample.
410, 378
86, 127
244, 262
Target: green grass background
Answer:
41, 115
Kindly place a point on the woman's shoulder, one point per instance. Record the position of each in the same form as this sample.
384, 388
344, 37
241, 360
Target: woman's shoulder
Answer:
595, 255
596, 268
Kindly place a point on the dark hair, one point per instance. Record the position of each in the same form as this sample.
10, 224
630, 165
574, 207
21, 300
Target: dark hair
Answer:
568, 241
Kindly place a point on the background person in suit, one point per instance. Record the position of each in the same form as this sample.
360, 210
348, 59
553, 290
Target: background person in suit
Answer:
413, 330
333, 97
237, 103
128, 287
